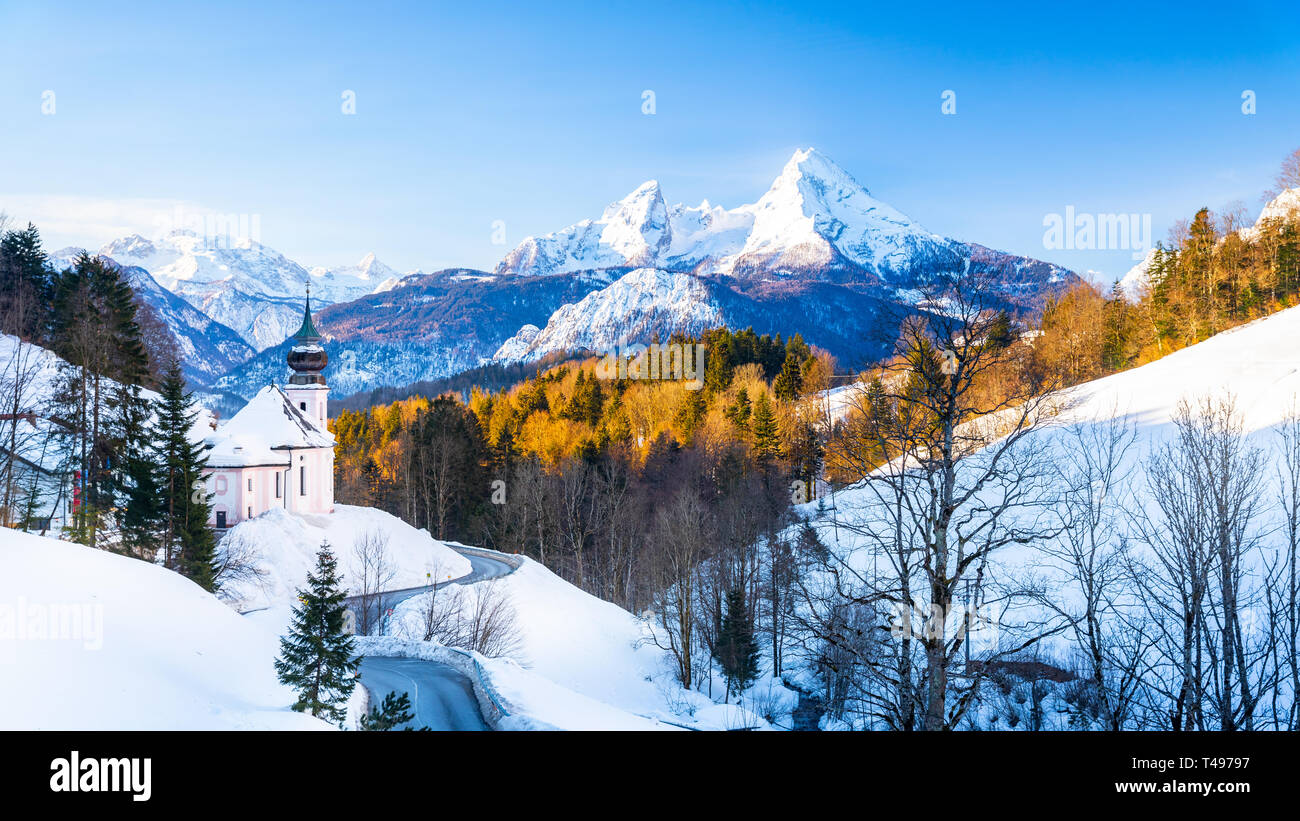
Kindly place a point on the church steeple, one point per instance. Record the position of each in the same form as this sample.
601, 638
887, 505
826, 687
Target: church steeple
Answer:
306, 357
307, 333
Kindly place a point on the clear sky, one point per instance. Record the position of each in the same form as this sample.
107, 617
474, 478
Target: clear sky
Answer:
471, 113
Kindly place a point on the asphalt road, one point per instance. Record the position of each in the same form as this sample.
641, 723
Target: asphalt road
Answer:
442, 698
481, 569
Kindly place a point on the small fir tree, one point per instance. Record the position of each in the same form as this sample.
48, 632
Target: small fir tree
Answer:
316, 657
737, 649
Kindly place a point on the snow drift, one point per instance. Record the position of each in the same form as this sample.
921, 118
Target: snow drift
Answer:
90, 640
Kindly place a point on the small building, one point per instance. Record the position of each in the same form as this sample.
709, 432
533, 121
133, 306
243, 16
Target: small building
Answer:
277, 451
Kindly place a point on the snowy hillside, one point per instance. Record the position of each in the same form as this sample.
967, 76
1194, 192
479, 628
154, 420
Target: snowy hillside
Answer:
1256, 365
587, 663
633, 308
94, 641
283, 548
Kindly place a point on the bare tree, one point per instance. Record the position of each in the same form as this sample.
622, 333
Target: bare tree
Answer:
1288, 589
679, 545
238, 564
1095, 470
1207, 485
480, 617
942, 443
375, 574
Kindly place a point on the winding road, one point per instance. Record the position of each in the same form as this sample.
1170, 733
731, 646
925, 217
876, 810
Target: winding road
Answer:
442, 698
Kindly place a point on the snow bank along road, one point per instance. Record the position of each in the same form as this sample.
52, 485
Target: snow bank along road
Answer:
442, 698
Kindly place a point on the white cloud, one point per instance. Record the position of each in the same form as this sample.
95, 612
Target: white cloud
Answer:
90, 222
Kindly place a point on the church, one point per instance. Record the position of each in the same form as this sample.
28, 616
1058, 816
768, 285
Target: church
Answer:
277, 450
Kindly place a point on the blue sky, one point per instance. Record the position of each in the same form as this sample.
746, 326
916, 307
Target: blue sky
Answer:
468, 113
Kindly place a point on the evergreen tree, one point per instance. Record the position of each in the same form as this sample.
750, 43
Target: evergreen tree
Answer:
26, 287
188, 545
93, 329
142, 504
740, 410
767, 443
394, 710
316, 657
737, 650
691, 415
789, 382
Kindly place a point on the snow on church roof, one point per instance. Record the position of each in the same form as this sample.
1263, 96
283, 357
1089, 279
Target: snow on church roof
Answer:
264, 431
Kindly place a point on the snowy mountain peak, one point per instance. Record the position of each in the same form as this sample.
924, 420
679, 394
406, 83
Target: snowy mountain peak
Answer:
818, 170
1282, 206
815, 218
636, 227
134, 245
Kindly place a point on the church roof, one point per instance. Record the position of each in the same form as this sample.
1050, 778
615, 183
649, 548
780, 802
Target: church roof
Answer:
264, 431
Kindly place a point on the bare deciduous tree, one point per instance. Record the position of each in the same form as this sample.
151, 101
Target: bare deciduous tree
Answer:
942, 444
375, 574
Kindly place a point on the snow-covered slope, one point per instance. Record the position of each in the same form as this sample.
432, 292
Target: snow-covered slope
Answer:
1257, 365
589, 664
284, 545
1132, 283
1285, 206
634, 307
90, 640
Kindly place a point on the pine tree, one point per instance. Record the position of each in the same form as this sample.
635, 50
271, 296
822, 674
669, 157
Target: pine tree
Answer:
93, 328
740, 411
188, 545
737, 650
141, 506
691, 415
26, 287
789, 382
394, 710
316, 657
767, 443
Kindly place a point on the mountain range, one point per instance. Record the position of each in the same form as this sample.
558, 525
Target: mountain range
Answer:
816, 254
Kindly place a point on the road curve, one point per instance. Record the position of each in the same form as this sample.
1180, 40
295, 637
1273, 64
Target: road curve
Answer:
442, 698
483, 566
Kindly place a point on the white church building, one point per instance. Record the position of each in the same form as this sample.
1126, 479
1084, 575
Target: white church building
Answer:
277, 450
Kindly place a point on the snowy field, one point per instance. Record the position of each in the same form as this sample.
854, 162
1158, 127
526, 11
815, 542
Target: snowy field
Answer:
90, 640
